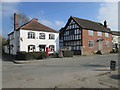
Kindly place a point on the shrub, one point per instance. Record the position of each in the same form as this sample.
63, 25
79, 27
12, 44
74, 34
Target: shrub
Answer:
31, 55
68, 53
21, 55
39, 55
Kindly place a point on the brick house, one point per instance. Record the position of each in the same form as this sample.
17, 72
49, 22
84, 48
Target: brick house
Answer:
85, 37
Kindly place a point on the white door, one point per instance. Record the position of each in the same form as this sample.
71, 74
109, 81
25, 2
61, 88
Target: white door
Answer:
99, 45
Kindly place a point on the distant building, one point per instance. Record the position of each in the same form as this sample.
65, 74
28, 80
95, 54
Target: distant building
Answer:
116, 40
85, 37
32, 37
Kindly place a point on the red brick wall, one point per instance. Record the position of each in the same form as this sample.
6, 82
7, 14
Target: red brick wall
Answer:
86, 38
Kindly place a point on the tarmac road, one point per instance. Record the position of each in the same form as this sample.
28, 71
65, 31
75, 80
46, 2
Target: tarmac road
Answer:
54, 72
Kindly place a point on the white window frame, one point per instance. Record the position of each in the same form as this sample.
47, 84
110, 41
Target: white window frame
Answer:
50, 37
78, 48
31, 35
77, 31
92, 43
107, 44
90, 32
41, 35
78, 42
99, 33
106, 34
52, 48
31, 48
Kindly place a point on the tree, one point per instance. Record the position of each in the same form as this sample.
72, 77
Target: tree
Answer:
22, 19
3, 41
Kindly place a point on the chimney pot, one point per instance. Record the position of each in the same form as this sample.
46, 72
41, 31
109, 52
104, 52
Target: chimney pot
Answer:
105, 24
35, 19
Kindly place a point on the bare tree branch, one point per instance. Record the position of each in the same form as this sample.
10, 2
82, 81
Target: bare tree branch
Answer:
22, 19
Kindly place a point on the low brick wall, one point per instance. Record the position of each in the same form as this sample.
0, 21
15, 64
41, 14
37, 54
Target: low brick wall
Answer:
106, 51
88, 53
94, 52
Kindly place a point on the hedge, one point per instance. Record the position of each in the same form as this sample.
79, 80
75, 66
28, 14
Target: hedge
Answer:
30, 55
67, 53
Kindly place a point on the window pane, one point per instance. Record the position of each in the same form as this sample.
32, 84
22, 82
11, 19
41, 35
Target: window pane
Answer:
106, 35
51, 36
42, 36
31, 35
90, 32
52, 47
99, 33
107, 44
90, 44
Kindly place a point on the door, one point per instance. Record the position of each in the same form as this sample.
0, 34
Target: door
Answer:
42, 47
47, 50
100, 45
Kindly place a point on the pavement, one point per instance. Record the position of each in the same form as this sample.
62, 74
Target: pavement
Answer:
77, 72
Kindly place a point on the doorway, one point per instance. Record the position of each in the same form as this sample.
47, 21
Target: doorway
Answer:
31, 48
42, 47
100, 45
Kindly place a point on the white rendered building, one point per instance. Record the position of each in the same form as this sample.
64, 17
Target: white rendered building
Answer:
116, 39
32, 37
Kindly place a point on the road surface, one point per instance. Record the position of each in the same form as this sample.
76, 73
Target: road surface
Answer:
59, 72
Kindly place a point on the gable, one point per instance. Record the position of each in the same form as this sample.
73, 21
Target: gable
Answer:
71, 24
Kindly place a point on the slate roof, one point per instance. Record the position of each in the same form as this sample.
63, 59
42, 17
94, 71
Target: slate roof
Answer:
91, 25
117, 33
36, 26
11, 33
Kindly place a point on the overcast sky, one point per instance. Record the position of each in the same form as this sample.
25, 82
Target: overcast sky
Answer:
56, 14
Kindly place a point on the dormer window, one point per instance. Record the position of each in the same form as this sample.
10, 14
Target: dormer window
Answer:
31, 35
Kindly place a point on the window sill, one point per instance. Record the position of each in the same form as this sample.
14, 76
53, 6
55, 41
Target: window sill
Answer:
30, 38
91, 47
90, 35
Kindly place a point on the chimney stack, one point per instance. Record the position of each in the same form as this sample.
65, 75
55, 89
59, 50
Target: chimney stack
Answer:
105, 24
16, 24
35, 19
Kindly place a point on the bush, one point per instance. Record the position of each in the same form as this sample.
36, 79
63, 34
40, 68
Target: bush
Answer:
68, 53
31, 55
21, 55
40, 55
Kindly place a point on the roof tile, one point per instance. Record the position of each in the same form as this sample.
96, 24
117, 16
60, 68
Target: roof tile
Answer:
36, 26
87, 24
